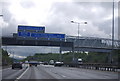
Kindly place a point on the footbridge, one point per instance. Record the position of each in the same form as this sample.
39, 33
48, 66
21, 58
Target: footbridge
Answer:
91, 44
70, 43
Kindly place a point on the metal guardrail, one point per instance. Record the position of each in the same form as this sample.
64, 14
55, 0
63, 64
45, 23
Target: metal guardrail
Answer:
93, 42
95, 66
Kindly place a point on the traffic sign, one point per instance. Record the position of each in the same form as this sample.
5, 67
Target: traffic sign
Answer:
37, 33
40, 35
40, 29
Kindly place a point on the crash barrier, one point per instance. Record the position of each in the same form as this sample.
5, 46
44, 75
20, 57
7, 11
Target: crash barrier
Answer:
95, 66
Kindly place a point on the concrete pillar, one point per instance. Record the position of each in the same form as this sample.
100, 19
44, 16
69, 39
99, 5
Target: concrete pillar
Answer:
60, 52
119, 21
73, 53
110, 59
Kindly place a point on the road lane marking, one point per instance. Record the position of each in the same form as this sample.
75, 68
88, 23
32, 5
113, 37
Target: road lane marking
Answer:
5, 69
22, 74
63, 76
59, 74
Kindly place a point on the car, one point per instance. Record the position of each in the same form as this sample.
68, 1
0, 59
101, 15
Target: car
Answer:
45, 63
51, 62
17, 65
33, 63
58, 63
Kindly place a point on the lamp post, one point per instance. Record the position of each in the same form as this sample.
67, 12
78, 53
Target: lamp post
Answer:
1, 15
78, 25
78, 35
112, 34
113, 27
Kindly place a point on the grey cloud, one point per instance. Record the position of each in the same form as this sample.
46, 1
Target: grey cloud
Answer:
9, 19
119, 28
6, 13
11, 28
106, 5
119, 20
63, 13
79, 11
104, 26
27, 3
109, 5
67, 11
30, 50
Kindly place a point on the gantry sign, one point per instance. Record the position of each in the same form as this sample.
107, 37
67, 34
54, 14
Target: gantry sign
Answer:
36, 36
38, 33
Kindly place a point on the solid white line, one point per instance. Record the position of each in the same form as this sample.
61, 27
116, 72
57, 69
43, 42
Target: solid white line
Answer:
63, 76
22, 73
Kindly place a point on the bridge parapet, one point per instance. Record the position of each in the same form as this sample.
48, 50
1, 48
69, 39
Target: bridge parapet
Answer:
71, 41
93, 42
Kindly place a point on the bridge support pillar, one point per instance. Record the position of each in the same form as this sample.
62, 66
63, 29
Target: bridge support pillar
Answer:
110, 57
60, 54
73, 53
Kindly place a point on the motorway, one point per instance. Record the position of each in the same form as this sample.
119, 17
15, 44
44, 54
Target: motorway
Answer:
10, 73
0, 73
51, 72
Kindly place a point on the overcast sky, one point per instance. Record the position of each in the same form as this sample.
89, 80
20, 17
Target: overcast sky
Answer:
56, 17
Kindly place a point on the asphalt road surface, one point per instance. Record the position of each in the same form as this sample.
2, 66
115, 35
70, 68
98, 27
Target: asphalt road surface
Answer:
0, 73
11, 73
51, 72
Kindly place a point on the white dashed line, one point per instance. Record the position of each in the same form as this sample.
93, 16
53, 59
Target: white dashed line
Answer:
63, 76
22, 74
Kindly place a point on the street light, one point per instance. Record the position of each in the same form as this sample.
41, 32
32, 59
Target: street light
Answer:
78, 34
1, 15
110, 60
78, 25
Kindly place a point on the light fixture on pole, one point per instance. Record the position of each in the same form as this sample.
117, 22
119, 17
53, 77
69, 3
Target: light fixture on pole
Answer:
78, 25
1, 15
78, 34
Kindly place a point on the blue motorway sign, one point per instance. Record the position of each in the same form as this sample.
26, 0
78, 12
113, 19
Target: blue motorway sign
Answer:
40, 35
20, 27
24, 34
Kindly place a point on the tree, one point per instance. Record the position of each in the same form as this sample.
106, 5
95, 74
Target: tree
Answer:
6, 60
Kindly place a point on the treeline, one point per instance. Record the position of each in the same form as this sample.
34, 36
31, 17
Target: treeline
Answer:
6, 60
91, 57
43, 57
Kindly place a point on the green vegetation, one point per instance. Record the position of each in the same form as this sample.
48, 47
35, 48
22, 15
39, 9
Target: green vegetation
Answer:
0, 57
43, 57
116, 56
91, 57
6, 60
